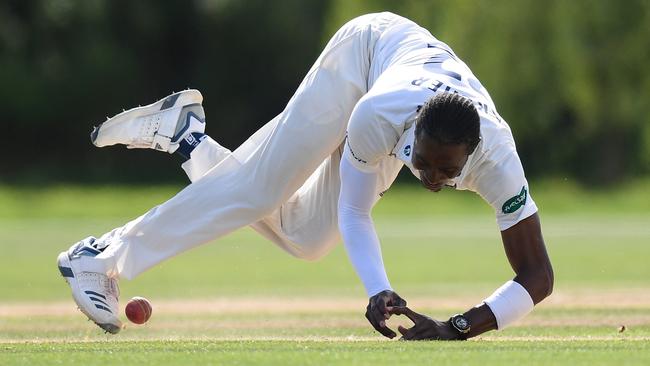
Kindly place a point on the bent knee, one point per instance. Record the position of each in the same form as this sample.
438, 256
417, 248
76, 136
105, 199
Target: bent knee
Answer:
313, 255
316, 249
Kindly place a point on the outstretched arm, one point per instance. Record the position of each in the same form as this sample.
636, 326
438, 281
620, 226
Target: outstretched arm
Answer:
357, 197
526, 252
356, 200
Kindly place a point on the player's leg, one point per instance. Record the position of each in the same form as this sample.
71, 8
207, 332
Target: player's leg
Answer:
135, 129
209, 154
261, 174
255, 180
205, 156
306, 225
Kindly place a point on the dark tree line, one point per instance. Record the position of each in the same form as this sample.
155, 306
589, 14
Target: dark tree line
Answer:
569, 76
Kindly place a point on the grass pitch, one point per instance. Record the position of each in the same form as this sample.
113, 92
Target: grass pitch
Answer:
240, 300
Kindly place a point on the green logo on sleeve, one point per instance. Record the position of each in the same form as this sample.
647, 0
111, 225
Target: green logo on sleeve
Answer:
515, 202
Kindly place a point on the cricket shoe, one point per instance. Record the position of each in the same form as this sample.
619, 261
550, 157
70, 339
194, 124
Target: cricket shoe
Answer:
95, 293
160, 126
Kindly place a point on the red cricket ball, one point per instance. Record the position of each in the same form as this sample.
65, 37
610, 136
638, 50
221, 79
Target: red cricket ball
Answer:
138, 310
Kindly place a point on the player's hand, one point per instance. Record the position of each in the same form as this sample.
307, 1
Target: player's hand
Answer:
424, 328
377, 312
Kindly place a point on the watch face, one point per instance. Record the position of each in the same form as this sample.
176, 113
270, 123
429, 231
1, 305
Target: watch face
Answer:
461, 323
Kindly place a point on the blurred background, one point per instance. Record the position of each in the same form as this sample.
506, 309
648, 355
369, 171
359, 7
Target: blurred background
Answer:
570, 77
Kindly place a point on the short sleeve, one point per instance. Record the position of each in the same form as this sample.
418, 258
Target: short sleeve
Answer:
503, 185
369, 137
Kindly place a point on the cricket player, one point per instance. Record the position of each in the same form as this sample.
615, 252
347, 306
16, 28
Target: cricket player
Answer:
384, 93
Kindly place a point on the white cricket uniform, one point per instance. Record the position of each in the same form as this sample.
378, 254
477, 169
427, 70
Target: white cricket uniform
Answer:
285, 181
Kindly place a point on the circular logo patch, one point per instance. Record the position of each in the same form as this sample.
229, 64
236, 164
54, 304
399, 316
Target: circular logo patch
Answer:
407, 150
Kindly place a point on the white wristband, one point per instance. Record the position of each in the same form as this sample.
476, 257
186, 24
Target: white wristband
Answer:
509, 303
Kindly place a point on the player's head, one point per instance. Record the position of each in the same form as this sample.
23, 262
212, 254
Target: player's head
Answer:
446, 132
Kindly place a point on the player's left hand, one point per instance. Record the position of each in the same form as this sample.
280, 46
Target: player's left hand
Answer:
424, 328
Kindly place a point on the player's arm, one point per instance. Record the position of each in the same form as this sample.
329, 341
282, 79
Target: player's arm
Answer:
526, 252
504, 187
357, 197
370, 137
533, 282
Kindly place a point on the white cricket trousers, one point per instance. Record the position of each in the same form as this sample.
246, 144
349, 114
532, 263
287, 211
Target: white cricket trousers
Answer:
283, 181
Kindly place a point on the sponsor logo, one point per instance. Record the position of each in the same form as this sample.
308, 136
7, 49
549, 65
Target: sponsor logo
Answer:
516, 202
407, 150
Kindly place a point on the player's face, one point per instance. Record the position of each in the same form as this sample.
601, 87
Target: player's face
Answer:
437, 163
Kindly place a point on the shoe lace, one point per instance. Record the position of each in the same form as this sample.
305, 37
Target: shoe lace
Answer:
98, 245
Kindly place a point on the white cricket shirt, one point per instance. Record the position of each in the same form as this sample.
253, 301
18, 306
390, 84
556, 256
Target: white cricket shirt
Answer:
414, 67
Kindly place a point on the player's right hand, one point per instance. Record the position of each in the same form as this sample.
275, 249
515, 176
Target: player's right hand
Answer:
376, 312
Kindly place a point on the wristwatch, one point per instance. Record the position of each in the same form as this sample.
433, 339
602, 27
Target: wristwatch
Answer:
461, 324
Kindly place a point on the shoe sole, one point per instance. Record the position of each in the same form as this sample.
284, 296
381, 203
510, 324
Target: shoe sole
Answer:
185, 97
63, 262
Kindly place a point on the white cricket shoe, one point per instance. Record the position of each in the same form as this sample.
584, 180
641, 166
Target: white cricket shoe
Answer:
95, 293
160, 126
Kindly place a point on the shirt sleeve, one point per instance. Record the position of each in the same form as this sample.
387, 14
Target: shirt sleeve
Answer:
503, 185
370, 137
357, 197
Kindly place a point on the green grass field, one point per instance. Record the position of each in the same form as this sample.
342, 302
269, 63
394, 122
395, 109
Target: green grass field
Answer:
240, 300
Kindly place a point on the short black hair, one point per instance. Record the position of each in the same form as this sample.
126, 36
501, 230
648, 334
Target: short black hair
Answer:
450, 118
